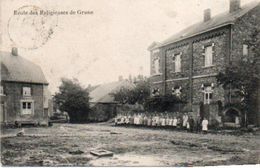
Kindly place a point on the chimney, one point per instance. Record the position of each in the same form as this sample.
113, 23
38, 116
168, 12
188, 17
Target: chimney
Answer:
234, 5
207, 15
14, 51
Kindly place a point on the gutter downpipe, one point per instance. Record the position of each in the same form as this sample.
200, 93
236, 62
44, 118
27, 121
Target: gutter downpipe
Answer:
230, 55
164, 74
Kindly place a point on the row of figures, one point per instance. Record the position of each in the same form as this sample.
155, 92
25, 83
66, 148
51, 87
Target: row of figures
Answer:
163, 120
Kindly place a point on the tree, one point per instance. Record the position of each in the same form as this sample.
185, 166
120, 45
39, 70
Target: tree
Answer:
74, 99
121, 95
138, 94
241, 76
163, 103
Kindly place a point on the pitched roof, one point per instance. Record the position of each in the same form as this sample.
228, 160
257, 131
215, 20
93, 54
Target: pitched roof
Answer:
215, 22
154, 45
19, 69
102, 94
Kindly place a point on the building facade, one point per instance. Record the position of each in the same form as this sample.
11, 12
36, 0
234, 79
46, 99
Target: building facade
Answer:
187, 63
23, 91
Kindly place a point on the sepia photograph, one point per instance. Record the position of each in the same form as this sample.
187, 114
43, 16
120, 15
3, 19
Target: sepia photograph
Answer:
130, 83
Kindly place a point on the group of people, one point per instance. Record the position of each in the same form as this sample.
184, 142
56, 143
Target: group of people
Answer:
163, 120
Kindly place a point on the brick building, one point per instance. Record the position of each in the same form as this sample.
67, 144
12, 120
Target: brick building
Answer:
187, 63
24, 92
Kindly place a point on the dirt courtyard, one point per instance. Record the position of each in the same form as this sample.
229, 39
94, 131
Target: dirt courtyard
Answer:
70, 145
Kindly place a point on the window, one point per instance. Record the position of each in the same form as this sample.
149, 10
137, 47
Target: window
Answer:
1, 90
177, 63
208, 56
29, 104
155, 92
24, 105
245, 50
155, 62
157, 66
208, 94
27, 107
176, 91
26, 91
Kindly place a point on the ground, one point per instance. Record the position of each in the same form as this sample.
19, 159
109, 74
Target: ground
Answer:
70, 145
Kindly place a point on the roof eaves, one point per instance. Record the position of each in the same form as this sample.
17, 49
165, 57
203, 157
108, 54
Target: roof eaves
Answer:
193, 35
17, 81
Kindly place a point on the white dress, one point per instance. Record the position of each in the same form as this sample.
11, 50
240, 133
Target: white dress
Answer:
174, 123
135, 120
185, 120
205, 125
163, 122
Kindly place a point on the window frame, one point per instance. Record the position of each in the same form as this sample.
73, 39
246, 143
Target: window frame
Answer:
177, 91
245, 47
155, 92
25, 109
205, 55
29, 93
156, 61
155, 56
208, 95
177, 62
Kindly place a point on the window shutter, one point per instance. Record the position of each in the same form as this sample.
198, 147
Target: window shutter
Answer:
159, 65
181, 62
213, 53
204, 55
173, 63
153, 67
173, 67
210, 95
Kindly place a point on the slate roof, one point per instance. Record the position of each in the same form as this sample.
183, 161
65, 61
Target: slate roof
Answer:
19, 69
102, 94
154, 45
215, 22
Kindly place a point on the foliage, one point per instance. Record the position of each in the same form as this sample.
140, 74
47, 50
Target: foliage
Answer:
162, 103
74, 99
138, 94
241, 76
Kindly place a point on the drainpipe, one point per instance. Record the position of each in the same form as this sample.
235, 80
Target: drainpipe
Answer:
258, 95
229, 56
190, 75
164, 71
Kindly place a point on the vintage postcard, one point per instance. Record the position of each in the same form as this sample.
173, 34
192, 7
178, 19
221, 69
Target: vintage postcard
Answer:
158, 83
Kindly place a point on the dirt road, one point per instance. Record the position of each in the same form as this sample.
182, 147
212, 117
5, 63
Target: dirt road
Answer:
70, 145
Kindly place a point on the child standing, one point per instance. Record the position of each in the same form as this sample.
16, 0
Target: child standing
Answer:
204, 124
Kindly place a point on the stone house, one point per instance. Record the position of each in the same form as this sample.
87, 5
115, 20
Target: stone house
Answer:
188, 62
102, 103
23, 91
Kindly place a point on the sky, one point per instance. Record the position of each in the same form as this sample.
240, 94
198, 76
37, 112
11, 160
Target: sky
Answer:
97, 48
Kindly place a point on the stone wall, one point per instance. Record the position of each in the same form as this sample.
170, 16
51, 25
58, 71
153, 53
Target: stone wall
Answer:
219, 55
170, 72
13, 92
241, 32
227, 45
218, 91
